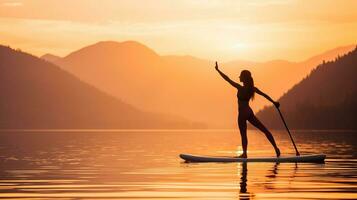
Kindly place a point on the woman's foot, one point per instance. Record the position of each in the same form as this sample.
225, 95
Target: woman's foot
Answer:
243, 155
277, 151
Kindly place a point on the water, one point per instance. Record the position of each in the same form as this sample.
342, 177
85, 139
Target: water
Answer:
145, 165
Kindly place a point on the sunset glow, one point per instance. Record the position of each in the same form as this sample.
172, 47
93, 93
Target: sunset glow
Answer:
178, 99
212, 29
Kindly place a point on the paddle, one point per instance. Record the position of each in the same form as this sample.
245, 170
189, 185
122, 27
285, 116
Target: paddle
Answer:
282, 118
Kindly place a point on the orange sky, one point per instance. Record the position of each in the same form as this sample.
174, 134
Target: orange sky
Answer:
212, 29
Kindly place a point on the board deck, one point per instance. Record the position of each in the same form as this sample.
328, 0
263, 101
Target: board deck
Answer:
316, 158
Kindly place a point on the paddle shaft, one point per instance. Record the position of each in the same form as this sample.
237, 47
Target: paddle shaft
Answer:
282, 118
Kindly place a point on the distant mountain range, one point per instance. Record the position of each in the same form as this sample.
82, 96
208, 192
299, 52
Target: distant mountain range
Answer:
325, 99
50, 57
180, 85
39, 94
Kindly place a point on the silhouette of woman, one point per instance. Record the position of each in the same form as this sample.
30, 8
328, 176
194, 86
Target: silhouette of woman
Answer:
244, 94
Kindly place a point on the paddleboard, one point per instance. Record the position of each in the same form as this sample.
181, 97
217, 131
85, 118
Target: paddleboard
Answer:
316, 158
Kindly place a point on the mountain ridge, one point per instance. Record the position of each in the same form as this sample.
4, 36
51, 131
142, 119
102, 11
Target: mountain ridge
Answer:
183, 85
50, 57
38, 94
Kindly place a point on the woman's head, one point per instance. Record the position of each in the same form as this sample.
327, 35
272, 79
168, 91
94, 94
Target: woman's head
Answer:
247, 79
245, 76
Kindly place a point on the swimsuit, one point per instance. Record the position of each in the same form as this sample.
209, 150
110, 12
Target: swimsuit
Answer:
245, 112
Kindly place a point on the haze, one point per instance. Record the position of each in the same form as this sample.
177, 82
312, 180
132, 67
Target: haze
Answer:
215, 30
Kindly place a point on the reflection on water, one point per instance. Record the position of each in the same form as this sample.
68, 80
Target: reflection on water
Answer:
145, 165
243, 194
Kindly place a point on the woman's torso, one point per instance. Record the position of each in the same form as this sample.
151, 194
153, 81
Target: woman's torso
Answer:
243, 96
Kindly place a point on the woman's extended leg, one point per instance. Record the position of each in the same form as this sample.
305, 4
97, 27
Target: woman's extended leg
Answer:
242, 123
254, 120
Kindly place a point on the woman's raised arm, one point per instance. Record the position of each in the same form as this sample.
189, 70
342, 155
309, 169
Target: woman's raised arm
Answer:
225, 77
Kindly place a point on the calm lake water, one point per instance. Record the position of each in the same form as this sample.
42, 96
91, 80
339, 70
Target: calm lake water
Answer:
145, 165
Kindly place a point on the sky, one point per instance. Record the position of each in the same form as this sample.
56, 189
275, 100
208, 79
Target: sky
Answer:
255, 30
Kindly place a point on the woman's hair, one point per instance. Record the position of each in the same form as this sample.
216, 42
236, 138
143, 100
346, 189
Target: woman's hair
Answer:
248, 81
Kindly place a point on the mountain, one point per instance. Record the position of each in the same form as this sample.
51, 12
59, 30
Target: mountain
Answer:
180, 85
127, 70
137, 74
329, 55
325, 99
50, 57
38, 94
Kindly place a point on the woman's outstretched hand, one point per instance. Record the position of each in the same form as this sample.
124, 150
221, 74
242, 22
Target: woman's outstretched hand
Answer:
276, 104
216, 67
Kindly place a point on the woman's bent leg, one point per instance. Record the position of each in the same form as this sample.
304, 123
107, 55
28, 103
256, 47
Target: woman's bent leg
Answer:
254, 120
242, 123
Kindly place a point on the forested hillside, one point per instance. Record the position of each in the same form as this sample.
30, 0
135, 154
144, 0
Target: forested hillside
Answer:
325, 99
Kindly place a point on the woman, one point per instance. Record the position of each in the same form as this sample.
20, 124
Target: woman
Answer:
244, 94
